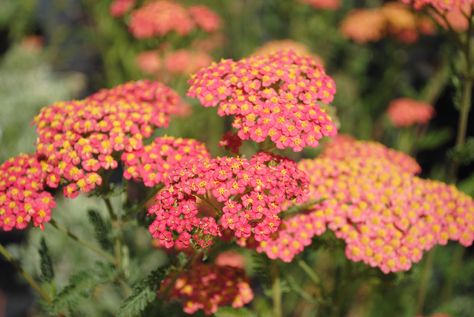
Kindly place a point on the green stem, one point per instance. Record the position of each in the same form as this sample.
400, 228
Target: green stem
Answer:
86, 244
424, 282
276, 292
41, 292
311, 273
118, 239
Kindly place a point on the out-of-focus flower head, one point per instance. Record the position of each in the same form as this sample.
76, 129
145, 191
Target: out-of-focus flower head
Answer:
149, 62
246, 195
231, 142
324, 4
272, 47
276, 96
392, 19
207, 287
23, 197
346, 147
118, 8
446, 5
32, 43
158, 18
78, 139
205, 18
230, 258
405, 112
186, 62
386, 217
153, 163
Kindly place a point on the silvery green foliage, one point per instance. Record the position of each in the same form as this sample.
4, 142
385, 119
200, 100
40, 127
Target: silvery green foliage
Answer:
28, 83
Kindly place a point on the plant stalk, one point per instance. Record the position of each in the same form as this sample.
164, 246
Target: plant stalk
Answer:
276, 291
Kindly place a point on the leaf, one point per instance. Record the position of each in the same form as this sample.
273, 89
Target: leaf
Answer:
144, 293
467, 185
233, 312
46, 264
463, 154
81, 286
101, 229
433, 139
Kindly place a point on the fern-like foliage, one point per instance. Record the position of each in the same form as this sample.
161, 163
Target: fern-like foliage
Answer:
46, 264
144, 293
101, 229
261, 267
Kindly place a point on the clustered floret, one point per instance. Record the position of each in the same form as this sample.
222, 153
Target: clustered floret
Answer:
405, 112
79, 139
158, 18
208, 286
386, 217
23, 197
346, 147
276, 95
153, 163
246, 195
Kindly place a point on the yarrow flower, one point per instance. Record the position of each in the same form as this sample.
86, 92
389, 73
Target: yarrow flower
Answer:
23, 196
386, 217
346, 147
446, 5
246, 195
119, 7
392, 19
186, 62
230, 258
276, 95
405, 112
324, 4
158, 18
149, 62
274, 46
153, 163
79, 139
209, 286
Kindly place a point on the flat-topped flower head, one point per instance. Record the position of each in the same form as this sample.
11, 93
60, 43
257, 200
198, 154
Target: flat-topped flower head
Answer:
276, 96
79, 139
386, 217
161, 17
207, 287
274, 46
246, 197
153, 163
346, 147
119, 8
23, 197
185, 62
405, 112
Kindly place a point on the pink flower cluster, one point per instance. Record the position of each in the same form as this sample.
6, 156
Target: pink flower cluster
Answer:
186, 62
208, 286
118, 8
246, 197
153, 163
405, 112
276, 95
23, 198
386, 217
274, 46
324, 4
439, 4
78, 139
158, 18
346, 147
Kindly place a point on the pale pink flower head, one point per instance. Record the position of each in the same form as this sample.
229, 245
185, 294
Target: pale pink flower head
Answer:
276, 96
245, 197
324, 4
153, 163
207, 287
23, 195
405, 112
230, 258
77, 140
205, 18
149, 62
186, 62
364, 25
118, 8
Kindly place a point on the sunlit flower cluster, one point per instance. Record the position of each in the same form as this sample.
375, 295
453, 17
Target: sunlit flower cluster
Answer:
23, 197
324, 4
276, 95
153, 163
405, 112
119, 7
78, 139
274, 46
392, 19
207, 287
346, 147
158, 18
246, 197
